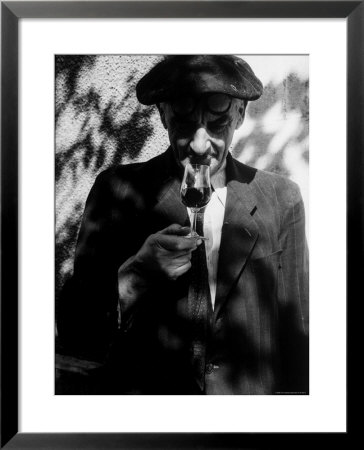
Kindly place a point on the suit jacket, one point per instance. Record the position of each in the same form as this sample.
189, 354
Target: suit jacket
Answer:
258, 340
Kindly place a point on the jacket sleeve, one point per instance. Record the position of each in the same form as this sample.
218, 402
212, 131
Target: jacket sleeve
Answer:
89, 314
293, 297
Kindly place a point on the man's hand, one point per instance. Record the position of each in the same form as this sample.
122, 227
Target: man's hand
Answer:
167, 253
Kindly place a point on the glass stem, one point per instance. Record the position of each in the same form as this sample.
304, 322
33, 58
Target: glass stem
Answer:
194, 220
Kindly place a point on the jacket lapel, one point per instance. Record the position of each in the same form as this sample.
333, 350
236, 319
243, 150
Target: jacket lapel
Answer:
239, 233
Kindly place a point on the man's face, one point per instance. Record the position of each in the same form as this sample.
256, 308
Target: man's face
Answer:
203, 136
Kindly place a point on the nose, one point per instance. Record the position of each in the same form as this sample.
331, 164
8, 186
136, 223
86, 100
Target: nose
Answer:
200, 143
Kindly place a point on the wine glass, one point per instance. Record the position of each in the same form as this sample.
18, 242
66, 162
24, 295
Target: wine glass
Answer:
196, 191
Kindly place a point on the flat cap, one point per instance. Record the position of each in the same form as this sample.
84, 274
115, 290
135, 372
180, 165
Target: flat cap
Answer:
179, 75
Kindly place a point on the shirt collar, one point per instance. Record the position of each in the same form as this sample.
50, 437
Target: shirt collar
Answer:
218, 180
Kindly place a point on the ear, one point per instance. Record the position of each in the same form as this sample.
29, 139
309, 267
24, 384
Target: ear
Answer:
241, 114
162, 114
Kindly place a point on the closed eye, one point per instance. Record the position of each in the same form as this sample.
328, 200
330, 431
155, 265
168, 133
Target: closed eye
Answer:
219, 125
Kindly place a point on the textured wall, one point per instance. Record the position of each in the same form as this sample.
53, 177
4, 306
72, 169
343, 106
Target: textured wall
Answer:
99, 122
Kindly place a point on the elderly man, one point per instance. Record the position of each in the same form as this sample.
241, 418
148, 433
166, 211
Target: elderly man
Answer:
181, 315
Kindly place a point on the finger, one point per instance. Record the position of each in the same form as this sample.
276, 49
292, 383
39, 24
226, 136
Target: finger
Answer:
181, 254
175, 229
176, 243
197, 239
182, 269
182, 260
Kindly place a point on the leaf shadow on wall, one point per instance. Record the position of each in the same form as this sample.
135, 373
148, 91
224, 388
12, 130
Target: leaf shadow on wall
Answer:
101, 141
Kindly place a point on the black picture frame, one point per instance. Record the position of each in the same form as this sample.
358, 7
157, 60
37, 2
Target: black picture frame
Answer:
11, 12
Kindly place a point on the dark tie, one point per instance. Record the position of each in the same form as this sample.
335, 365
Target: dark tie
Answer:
199, 302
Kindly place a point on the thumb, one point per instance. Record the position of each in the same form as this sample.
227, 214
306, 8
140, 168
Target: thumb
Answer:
176, 229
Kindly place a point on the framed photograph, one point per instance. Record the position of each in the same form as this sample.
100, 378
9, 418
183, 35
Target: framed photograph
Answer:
87, 86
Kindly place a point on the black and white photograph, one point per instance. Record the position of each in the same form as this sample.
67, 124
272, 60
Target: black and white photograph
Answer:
181, 224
